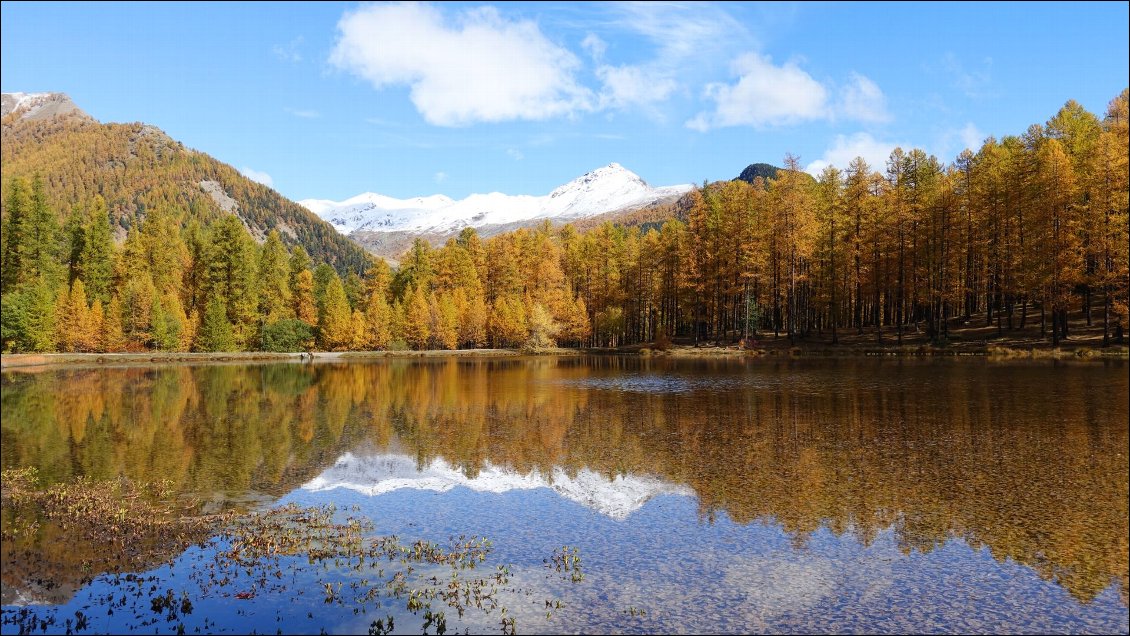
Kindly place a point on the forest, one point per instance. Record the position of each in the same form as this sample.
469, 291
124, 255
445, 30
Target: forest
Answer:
1019, 232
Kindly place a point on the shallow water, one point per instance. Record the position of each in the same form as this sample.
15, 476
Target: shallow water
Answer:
823, 495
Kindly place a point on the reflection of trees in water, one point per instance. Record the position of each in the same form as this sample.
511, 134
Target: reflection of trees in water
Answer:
1038, 475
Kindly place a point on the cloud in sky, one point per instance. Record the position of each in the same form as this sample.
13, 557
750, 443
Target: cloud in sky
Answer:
477, 67
764, 95
290, 52
682, 35
594, 46
440, 177
862, 100
767, 95
973, 82
515, 154
258, 176
682, 30
847, 147
303, 113
626, 86
972, 137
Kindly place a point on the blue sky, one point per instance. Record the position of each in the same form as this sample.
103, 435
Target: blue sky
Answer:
327, 100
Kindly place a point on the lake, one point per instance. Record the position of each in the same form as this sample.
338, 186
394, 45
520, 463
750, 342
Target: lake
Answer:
618, 494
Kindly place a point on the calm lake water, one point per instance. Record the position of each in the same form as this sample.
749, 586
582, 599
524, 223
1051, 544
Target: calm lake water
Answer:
808, 495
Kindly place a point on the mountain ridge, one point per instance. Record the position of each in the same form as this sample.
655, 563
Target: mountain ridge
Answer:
37, 106
385, 225
136, 166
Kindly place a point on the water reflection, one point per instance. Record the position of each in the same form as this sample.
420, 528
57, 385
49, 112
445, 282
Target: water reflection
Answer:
1026, 461
616, 497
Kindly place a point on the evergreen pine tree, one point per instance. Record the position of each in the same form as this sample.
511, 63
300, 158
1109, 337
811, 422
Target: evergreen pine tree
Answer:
215, 331
17, 208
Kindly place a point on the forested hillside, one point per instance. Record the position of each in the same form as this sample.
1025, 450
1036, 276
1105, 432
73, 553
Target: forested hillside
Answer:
1021, 231
136, 168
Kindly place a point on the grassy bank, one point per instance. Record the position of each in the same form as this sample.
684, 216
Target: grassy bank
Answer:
780, 347
34, 360
826, 350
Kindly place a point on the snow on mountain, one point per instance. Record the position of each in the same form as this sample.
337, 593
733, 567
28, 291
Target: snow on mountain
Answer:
38, 105
380, 474
606, 189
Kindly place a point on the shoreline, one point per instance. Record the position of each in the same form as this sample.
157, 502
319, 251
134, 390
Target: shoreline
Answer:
818, 350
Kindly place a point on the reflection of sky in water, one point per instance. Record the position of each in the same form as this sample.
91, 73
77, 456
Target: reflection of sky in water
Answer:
969, 449
658, 384
687, 573
691, 575
751, 378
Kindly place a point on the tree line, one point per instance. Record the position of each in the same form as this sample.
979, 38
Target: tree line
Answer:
1021, 231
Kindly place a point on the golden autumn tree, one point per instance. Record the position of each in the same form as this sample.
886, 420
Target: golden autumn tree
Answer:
335, 323
303, 298
444, 326
417, 320
378, 321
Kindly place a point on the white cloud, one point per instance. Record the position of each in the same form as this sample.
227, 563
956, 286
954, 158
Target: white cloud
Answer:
304, 114
481, 68
768, 95
289, 52
625, 86
764, 95
950, 141
847, 147
440, 177
594, 46
682, 30
687, 38
863, 100
515, 154
972, 137
258, 176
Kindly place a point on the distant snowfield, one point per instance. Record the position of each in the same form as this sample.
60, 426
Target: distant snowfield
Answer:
379, 474
606, 189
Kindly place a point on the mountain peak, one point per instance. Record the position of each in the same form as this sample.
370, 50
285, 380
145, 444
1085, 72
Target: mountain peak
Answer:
611, 177
35, 106
606, 189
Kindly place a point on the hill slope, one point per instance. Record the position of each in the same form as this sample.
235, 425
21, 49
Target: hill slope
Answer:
136, 166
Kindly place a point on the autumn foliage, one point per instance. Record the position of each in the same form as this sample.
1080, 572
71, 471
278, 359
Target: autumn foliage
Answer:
1018, 231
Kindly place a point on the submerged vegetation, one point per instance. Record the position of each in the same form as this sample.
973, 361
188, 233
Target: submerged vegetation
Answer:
126, 529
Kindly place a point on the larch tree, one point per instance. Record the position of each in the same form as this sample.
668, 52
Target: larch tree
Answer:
305, 307
335, 323
378, 321
417, 319
275, 298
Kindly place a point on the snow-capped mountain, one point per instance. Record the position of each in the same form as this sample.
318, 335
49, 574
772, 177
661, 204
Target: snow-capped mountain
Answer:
380, 474
603, 190
38, 105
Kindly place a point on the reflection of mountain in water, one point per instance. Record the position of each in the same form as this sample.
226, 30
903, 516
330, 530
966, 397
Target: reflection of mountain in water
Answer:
1027, 460
379, 474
